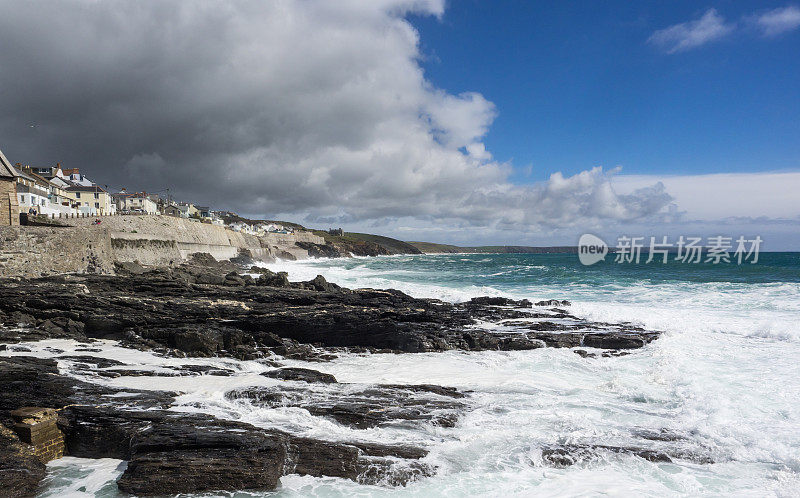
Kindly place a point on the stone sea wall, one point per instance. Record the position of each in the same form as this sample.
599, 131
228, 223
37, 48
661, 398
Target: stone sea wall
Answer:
151, 240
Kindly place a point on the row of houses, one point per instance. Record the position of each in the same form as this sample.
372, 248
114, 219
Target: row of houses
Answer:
50, 191
259, 228
57, 192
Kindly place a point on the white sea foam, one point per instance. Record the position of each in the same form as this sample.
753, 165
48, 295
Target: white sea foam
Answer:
82, 477
724, 379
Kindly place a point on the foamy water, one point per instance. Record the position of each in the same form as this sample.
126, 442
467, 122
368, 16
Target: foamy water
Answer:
725, 378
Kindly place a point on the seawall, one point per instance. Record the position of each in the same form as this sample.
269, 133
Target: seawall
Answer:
151, 240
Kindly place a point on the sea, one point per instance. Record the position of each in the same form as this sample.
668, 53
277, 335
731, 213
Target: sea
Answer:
722, 382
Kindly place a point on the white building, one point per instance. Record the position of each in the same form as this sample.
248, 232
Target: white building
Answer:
75, 177
32, 194
139, 202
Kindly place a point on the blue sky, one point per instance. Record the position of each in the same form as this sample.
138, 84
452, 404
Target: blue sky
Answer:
578, 84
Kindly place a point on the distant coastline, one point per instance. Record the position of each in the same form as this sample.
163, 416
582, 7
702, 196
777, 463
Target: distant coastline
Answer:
434, 248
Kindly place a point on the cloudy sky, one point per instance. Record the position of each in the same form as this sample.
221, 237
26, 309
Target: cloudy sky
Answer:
467, 122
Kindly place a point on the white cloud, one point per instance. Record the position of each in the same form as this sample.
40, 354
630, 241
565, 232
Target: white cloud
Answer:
730, 204
778, 21
313, 109
726, 195
691, 34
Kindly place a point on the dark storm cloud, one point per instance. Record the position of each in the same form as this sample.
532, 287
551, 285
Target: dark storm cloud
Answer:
308, 107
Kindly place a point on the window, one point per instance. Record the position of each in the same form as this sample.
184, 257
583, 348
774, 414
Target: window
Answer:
78, 195
97, 205
22, 199
96, 195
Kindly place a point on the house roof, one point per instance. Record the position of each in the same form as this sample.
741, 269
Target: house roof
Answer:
40, 178
6, 170
85, 188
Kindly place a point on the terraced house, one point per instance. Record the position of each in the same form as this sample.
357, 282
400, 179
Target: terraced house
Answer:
47, 196
9, 209
92, 200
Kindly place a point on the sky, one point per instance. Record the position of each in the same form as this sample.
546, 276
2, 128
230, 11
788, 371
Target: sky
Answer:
467, 121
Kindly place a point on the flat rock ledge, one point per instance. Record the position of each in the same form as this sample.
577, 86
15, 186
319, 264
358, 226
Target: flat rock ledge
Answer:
210, 310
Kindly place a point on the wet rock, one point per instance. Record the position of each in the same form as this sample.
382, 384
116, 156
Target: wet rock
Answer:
271, 279
319, 283
617, 340
170, 459
364, 408
30, 381
245, 257
301, 374
553, 302
94, 361
450, 392
606, 339
615, 353
585, 354
20, 469
319, 250
500, 301
131, 372
175, 311
544, 325
564, 456
560, 339
165, 449
206, 370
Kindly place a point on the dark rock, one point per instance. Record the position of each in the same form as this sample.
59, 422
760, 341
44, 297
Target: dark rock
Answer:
571, 454
560, 339
500, 301
244, 258
171, 447
550, 326
320, 284
450, 392
188, 310
553, 302
302, 374
206, 370
170, 459
128, 268
271, 279
95, 361
29, 381
20, 470
210, 279
233, 278
369, 407
616, 340
319, 251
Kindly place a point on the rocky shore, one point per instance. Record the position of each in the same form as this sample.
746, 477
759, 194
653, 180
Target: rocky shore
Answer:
210, 309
